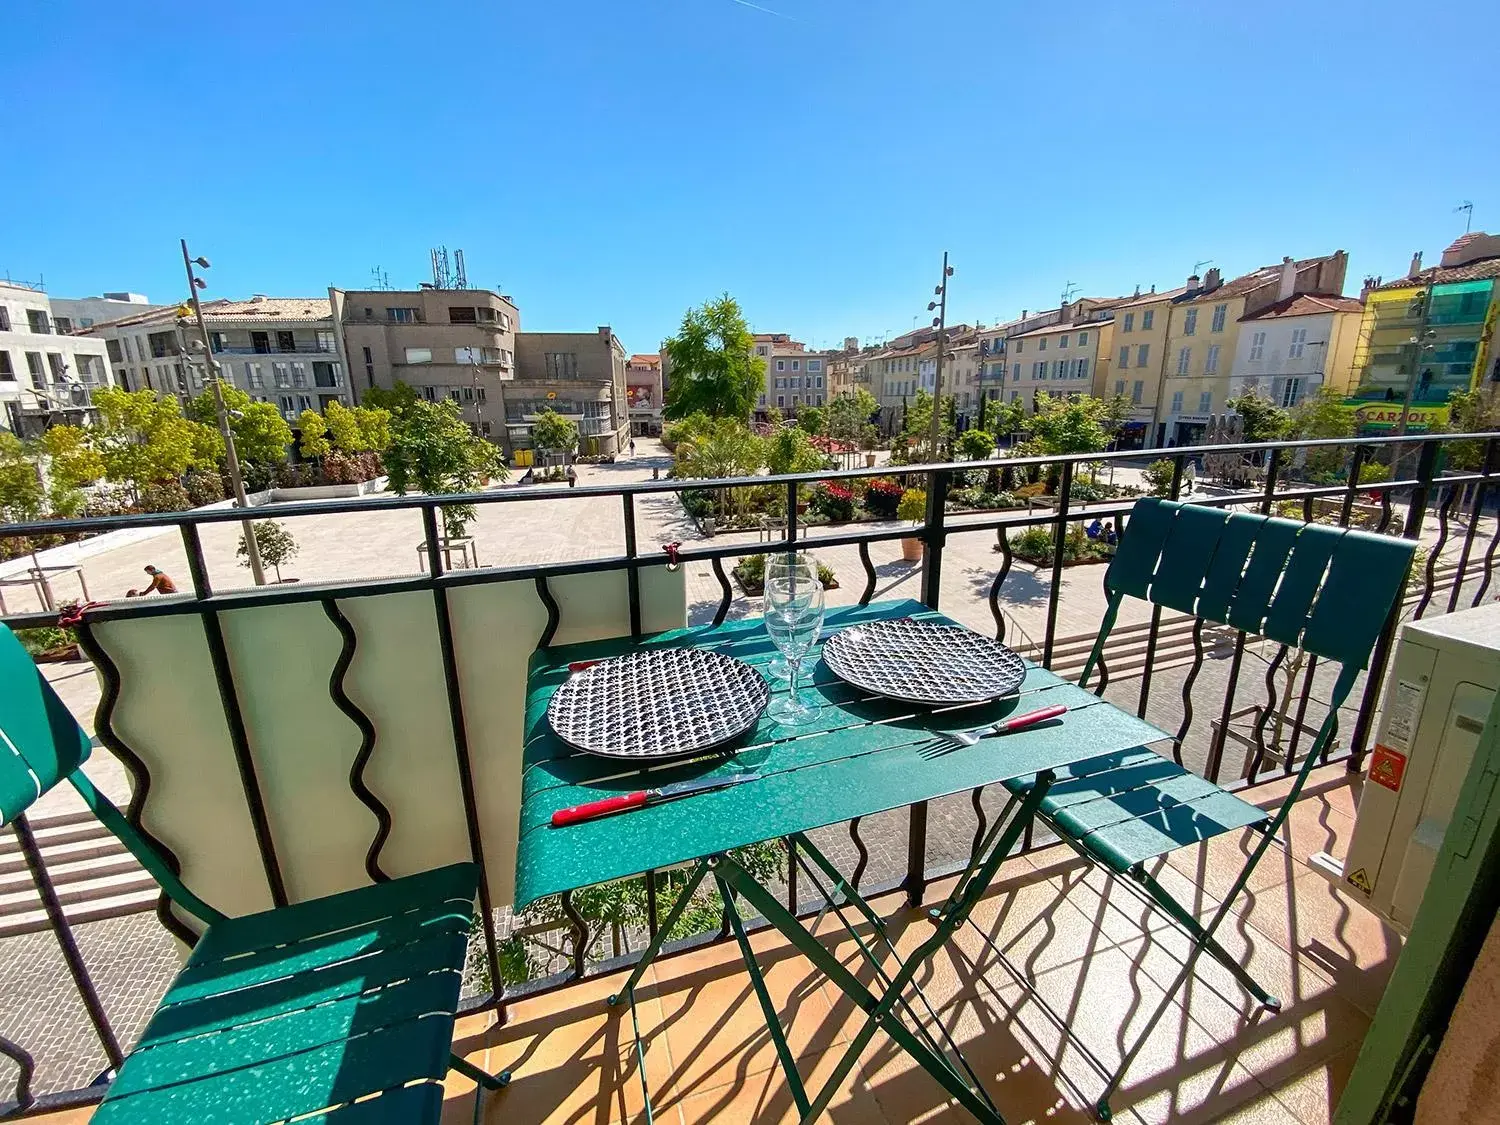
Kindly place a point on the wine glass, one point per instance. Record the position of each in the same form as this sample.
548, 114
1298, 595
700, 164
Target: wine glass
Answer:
794, 618
779, 564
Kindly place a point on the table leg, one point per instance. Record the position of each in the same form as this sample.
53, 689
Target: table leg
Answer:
880, 1009
699, 870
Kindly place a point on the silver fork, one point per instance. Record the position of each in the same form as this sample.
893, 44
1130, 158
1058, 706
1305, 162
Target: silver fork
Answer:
960, 739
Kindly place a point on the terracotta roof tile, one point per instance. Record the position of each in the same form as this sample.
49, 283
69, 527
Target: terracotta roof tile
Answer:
1481, 270
1307, 304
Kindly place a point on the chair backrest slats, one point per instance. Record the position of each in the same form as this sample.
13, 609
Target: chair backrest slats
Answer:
40, 742
1326, 589
1287, 615
1226, 574
1185, 558
1274, 540
1135, 560
1356, 596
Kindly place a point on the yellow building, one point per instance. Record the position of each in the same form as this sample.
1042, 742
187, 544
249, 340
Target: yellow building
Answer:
1203, 330
1137, 350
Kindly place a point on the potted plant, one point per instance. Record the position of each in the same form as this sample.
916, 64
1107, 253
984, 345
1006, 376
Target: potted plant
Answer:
912, 508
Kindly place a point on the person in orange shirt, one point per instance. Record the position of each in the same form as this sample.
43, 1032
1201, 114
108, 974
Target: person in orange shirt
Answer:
161, 583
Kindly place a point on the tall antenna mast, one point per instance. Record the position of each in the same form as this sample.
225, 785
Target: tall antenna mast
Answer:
1068, 290
442, 276
1467, 207
461, 276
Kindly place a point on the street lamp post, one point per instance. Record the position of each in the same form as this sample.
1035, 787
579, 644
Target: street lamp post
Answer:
211, 370
940, 322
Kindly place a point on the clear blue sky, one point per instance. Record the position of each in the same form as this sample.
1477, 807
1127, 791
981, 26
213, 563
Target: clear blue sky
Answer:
614, 161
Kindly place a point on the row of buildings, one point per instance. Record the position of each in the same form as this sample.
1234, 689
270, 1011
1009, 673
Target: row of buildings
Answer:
1398, 350
1180, 355
303, 353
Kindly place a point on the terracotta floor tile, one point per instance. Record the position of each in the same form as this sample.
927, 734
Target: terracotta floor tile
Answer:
765, 1098
1313, 1095
712, 1023
1016, 1080
573, 1059
1348, 944
1181, 1074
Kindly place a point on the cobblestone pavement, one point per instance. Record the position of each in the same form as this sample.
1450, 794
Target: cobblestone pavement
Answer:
132, 959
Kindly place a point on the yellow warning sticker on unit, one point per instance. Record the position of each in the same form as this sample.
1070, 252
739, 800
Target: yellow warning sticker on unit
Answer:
1360, 881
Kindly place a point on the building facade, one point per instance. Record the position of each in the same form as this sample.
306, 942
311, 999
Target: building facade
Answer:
73, 314
580, 375
1203, 333
46, 377
643, 390
458, 344
282, 350
794, 376
1137, 353
1427, 335
1061, 359
1291, 349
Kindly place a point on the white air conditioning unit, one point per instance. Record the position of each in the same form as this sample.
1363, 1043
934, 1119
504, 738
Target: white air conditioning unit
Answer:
1442, 682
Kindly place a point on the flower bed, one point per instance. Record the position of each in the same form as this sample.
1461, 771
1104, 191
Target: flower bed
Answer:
1037, 545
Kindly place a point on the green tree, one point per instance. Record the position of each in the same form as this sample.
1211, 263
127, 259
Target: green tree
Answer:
1069, 425
724, 448
314, 442
1114, 412
975, 445
812, 419
1471, 412
75, 463
144, 440
1008, 418
1323, 416
849, 417
1262, 418
276, 544
343, 428
917, 427
553, 432
714, 366
433, 450
21, 495
261, 434
790, 450
395, 399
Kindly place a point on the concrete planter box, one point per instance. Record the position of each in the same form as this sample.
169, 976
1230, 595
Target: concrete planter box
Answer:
316, 492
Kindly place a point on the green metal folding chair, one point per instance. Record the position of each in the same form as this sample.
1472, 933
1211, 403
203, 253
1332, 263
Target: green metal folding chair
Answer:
337, 1010
1325, 589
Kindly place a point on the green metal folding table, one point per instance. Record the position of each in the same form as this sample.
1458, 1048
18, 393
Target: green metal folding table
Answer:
861, 755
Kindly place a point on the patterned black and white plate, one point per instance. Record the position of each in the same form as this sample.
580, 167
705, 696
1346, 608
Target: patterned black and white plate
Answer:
924, 662
652, 705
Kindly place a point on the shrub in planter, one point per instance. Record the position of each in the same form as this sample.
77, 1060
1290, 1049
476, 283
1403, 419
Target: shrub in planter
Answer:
883, 497
1027, 491
1158, 476
1036, 544
204, 488
833, 501
750, 572
258, 475
165, 496
698, 502
1086, 491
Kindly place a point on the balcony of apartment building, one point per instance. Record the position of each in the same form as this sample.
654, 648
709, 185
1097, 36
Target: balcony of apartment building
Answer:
274, 342
379, 718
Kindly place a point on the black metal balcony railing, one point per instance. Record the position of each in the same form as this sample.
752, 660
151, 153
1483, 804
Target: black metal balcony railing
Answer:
1424, 493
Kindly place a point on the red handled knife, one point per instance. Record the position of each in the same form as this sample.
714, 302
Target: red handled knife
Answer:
641, 797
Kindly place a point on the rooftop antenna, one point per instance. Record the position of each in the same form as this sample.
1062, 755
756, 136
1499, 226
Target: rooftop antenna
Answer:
379, 279
442, 275
1199, 265
1068, 290
1467, 207
461, 276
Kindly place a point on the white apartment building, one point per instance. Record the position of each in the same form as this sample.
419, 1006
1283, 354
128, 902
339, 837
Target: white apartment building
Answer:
46, 377
1061, 359
73, 314
282, 350
1288, 350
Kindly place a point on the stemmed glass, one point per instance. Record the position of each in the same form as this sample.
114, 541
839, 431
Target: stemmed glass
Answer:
780, 564
794, 618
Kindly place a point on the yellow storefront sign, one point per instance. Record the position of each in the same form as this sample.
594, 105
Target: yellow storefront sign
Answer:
1386, 415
